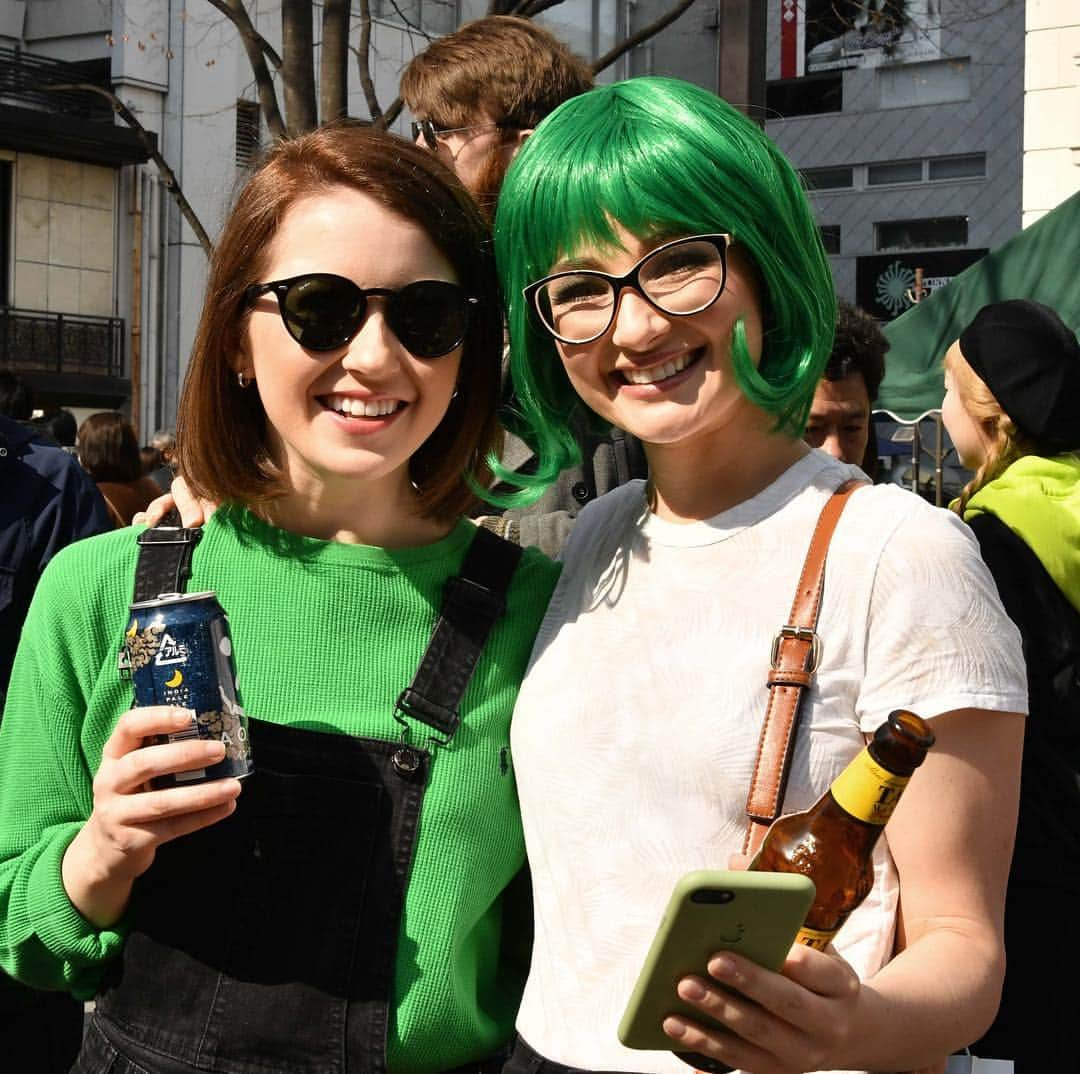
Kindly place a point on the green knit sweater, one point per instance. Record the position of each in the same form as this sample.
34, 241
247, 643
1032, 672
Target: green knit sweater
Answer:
324, 632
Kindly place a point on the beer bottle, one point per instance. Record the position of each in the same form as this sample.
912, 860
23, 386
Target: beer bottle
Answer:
832, 842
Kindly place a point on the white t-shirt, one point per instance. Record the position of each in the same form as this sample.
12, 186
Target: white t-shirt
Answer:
635, 732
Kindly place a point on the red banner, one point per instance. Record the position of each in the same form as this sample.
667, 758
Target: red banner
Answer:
791, 58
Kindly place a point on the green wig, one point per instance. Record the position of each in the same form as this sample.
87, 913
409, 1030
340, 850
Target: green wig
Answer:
663, 158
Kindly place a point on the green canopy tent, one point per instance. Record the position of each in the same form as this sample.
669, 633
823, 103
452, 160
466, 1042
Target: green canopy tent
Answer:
1041, 263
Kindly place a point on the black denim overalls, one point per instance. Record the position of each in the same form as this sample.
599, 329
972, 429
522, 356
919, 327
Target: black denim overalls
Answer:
267, 943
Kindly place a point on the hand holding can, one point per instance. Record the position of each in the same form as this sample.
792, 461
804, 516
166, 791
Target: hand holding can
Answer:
179, 652
129, 821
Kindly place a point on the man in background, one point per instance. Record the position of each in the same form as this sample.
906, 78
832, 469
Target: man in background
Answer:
46, 501
840, 415
476, 95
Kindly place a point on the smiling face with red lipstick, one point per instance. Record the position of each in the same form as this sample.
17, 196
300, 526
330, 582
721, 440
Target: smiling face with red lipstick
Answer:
356, 413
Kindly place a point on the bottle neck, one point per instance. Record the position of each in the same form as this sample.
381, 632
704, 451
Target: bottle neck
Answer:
867, 790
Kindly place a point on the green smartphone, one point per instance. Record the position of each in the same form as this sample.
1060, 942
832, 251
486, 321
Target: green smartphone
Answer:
753, 914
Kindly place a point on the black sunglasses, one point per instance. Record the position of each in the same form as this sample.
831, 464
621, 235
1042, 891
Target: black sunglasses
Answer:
424, 128
323, 312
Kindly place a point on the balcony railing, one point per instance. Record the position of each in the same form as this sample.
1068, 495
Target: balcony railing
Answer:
61, 342
26, 80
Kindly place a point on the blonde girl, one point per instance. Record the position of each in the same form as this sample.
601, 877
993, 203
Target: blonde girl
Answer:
1012, 408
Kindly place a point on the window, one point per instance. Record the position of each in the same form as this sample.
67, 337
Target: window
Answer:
906, 85
830, 237
828, 178
809, 96
899, 171
933, 233
247, 133
970, 166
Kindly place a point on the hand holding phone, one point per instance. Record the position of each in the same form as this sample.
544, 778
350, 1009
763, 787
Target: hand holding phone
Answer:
753, 914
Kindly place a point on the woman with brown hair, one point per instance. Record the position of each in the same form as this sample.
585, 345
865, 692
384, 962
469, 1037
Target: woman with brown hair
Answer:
352, 908
109, 452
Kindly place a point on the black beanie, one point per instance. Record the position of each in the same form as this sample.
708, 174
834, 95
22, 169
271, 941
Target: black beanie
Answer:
1030, 360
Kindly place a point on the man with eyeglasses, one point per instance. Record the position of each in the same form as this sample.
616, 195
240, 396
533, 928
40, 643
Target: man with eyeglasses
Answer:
476, 95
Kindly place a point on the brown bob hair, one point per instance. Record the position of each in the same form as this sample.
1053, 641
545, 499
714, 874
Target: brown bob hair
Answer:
221, 429
506, 66
108, 448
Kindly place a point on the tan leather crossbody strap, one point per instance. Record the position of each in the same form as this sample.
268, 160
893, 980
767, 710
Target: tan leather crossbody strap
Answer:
796, 651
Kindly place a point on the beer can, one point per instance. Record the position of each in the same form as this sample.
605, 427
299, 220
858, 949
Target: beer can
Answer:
178, 651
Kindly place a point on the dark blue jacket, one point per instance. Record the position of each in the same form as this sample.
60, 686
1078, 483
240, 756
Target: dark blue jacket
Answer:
47, 501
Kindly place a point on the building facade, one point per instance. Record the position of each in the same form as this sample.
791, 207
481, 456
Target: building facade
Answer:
909, 135
914, 145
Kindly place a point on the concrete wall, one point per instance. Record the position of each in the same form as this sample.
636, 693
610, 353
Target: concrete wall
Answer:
64, 249
1051, 105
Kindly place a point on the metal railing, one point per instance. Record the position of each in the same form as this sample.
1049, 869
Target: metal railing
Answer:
25, 80
61, 342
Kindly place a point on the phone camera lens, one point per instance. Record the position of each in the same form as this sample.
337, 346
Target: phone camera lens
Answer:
712, 895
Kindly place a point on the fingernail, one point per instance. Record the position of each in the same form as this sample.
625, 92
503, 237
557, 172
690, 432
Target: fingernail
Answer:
722, 968
674, 1027
691, 989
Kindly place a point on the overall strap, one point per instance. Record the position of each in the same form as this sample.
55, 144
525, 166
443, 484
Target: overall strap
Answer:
164, 564
796, 652
472, 603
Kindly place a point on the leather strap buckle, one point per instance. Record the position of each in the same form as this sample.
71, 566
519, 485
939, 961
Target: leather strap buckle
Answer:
797, 633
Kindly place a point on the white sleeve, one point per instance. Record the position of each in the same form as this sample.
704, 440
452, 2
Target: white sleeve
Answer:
937, 636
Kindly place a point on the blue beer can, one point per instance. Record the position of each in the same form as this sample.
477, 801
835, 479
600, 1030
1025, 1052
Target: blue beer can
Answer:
178, 650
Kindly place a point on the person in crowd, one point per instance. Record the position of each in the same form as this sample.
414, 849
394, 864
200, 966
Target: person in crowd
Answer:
60, 426
151, 460
164, 442
840, 413
662, 269
477, 94
47, 502
109, 452
1012, 408
355, 905
15, 397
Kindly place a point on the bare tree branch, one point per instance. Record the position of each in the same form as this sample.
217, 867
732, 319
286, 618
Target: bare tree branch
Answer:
149, 143
333, 88
643, 34
530, 8
414, 27
388, 117
238, 16
363, 64
255, 46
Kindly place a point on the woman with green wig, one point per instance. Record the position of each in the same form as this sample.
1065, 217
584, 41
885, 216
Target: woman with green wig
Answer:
663, 272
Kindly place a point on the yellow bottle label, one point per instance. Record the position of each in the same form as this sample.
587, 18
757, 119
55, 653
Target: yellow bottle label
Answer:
867, 791
815, 938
